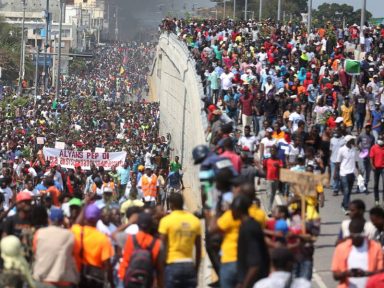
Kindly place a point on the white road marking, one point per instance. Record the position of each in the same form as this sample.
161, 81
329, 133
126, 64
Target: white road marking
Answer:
317, 278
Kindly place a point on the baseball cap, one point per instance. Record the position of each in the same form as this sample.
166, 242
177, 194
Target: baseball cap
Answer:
56, 215
92, 213
23, 196
75, 202
269, 129
349, 138
77, 165
339, 119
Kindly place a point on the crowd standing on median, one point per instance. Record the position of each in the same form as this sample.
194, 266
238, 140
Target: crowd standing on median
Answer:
276, 97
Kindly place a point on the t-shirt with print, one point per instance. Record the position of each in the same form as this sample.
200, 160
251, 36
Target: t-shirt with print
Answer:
181, 228
267, 143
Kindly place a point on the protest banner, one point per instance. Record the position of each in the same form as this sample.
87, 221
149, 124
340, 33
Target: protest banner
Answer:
68, 158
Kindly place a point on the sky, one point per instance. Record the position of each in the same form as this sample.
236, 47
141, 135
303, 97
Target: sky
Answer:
372, 5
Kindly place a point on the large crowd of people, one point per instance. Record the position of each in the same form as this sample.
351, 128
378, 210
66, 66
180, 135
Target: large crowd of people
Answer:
277, 97
281, 97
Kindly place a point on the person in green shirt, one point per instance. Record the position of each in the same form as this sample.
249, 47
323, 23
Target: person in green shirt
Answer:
175, 166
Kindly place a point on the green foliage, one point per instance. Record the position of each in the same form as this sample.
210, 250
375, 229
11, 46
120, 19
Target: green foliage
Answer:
10, 42
337, 13
9, 104
77, 65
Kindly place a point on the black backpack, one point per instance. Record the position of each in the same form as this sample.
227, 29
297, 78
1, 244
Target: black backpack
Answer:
140, 270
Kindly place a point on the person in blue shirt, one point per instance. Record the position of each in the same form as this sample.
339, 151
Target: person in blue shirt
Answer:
124, 173
377, 114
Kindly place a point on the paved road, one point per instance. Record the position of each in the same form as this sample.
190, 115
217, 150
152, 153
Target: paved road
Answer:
331, 217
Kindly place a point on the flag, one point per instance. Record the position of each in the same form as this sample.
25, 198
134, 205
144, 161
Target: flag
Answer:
352, 67
122, 70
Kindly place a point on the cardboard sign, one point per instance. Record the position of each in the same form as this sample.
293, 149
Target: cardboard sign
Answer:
40, 140
59, 145
99, 150
303, 183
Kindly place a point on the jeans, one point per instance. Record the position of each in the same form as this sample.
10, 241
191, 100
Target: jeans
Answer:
228, 275
303, 269
365, 167
257, 123
335, 184
346, 185
180, 275
375, 134
272, 186
359, 119
376, 176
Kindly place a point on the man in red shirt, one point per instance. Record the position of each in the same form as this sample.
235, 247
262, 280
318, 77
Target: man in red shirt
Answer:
231, 155
377, 162
246, 108
272, 166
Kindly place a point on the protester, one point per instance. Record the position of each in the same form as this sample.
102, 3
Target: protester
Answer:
355, 257
180, 233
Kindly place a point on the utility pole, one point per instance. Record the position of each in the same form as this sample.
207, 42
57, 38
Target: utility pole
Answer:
278, 10
260, 10
116, 23
309, 16
224, 8
246, 10
37, 71
21, 68
47, 19
234, 9
62, 7
362, 20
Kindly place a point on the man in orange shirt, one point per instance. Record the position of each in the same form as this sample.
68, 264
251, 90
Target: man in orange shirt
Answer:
93, 250
356, 257
145, 240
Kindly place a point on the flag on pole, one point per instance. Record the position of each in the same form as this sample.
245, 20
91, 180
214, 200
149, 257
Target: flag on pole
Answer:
352, 67
122, 70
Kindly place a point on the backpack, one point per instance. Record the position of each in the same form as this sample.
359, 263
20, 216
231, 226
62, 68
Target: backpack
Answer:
139, 273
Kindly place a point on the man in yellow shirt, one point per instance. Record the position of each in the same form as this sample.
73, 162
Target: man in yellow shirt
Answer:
230, 227
347, 114
180, 232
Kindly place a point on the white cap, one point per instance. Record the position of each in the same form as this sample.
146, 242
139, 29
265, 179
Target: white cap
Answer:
349, 138
339, 119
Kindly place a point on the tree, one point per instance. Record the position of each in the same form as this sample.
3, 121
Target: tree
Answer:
10, 42
337, 13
